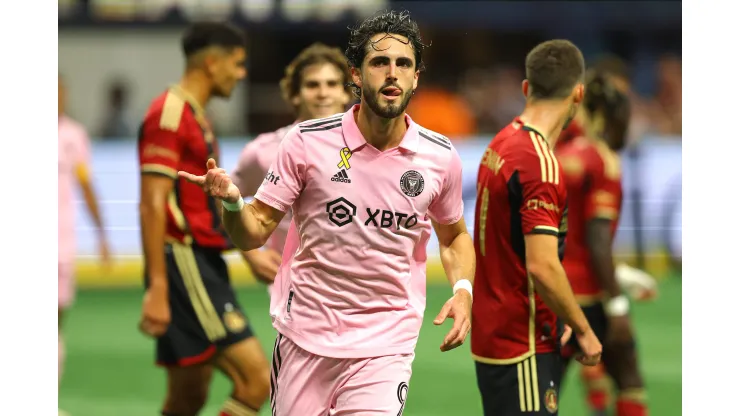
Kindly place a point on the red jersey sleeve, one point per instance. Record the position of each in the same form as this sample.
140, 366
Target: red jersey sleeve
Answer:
604, 197
542, 190
160, 144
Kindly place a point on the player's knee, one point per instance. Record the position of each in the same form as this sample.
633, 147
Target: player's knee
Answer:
253, 390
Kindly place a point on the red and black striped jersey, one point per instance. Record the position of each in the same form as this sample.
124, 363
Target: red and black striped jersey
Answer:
176, 135
520, 191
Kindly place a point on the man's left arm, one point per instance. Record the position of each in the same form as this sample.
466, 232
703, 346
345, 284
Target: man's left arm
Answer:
82, 171
456, 251
457, 254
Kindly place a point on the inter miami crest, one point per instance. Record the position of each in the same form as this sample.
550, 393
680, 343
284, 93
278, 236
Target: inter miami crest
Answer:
412, 183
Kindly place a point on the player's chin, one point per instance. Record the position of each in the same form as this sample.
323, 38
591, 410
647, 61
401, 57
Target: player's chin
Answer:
225, 92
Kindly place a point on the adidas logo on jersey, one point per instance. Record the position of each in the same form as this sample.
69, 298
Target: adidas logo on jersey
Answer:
341, 176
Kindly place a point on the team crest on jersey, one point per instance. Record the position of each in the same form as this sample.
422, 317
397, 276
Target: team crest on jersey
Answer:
412, 183
233, 319
551, 400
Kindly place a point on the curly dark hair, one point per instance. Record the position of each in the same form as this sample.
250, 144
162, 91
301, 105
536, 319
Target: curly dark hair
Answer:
388, 22
317, 53
610, 106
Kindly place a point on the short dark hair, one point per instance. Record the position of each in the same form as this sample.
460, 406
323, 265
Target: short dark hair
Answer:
387, 22
553, 68
200, 36
317, 53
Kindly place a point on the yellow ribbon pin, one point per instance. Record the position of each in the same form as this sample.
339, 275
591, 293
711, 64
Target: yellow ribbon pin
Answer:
345, 154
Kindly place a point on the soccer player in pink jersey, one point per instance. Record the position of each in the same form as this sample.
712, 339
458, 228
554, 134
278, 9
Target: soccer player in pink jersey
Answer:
348, 301
74, 162
316, 85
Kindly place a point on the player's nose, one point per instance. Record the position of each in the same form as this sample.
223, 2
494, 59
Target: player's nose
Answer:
392, 71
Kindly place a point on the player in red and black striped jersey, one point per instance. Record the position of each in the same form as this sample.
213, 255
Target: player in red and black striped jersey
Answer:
593, 177
189, 306
521, 220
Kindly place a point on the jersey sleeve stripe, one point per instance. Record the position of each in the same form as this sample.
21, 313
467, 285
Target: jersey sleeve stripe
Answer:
548, 158
159, 169
545, 229
172, 110
321, 128
435, 141
548, 161
323, 121
556, 166
440, 137
535, 143
606, 213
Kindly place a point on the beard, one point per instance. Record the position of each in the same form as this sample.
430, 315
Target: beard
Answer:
389, 111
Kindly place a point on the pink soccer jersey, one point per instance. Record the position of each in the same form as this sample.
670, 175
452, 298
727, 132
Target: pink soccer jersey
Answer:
355, 286
251, 168
74, 149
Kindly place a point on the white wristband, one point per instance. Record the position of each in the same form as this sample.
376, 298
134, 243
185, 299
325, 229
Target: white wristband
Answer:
463, 284
233, 207
617, 306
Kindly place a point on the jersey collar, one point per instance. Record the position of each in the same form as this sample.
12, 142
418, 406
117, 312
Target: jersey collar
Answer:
519, 123
354, 139
177, 90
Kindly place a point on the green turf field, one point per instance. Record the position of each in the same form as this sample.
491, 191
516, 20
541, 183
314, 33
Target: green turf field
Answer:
109, 369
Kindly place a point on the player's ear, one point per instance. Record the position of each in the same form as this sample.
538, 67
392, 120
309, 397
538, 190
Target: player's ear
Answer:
296, 101
416, 79
525, 88
578, 92
210, 63
356, 77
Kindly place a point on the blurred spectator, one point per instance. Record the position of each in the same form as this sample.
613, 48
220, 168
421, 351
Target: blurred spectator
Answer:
668, 98
117, 123
442, 111
494, 94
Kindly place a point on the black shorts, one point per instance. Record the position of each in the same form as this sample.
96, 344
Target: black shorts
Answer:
596, 316
530, 387
206, 316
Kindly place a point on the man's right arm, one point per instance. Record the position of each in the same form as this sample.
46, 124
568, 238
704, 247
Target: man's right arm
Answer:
250, 227
551, 282
153, 220
253, 225
541, 214
159, 155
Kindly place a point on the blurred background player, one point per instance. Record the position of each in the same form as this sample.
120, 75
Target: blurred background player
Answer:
593, 177
315, 85
74, 166
638, 284
189, 305
520, 226
348, 305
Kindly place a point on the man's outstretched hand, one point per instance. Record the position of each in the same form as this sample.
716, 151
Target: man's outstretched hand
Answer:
215, 183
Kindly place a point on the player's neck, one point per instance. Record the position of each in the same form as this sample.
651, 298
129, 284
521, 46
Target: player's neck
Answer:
547, 118
197, 86
381, 133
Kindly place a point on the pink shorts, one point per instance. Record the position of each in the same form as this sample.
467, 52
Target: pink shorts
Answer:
305, 384
66, 285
